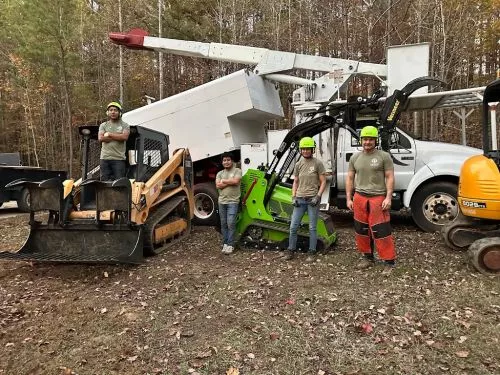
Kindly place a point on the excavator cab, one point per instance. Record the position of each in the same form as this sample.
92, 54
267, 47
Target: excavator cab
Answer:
478, 227
94, 221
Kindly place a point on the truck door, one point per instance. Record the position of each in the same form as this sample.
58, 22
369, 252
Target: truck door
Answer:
403, 155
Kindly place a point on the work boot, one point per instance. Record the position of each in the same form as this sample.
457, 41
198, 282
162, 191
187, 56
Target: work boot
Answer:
367, 262
229, 249
389, 266
224, 249
289, 255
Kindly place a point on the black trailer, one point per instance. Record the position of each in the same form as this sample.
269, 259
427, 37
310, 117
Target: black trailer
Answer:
10, 173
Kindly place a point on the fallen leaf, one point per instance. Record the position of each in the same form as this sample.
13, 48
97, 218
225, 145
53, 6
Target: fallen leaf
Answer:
290, 301
367, 328
106, 274
104, 310
132, 359
232, 371
274, 336
321, 372
251, 355
462, 354
462, 339
205, 354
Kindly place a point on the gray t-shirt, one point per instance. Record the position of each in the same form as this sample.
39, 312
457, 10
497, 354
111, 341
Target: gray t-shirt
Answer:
232, 193
114, 150
370, 171
308, 172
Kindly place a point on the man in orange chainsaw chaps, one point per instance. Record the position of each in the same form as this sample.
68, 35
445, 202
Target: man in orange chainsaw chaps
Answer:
371, 178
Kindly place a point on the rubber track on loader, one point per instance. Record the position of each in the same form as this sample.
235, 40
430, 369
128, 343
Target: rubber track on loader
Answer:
161, 212
283, 227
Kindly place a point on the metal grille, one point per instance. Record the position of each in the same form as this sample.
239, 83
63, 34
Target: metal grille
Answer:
152, 157
94, 155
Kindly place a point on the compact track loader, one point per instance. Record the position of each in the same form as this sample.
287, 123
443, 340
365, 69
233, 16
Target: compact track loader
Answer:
478, 228
93, 221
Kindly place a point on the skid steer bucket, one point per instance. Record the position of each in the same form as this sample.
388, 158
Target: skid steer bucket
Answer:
84, 238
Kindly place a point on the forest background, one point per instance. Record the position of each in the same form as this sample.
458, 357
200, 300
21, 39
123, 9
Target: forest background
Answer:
58, 68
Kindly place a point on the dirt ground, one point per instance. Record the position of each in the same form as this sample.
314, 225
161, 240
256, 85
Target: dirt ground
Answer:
193, 310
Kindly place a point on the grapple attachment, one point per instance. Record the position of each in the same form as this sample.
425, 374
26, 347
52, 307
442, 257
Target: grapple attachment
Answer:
71, 236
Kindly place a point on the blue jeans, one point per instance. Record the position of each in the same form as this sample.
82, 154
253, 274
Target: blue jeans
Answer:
298, 213
227, 213
112, 169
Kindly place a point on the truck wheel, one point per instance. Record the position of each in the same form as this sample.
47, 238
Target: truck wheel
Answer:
435, 205
23, 203
205, 204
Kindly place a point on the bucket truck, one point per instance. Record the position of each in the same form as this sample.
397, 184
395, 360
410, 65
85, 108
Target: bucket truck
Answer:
230, 113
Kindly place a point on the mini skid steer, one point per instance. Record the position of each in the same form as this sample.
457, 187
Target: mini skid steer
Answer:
120, 221
265, 217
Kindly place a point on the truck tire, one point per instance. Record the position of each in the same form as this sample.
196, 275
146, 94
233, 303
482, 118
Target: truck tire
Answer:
435, 205
23, 203
206, 210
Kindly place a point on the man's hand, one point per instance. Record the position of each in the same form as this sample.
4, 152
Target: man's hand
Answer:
386, 204
350, 204
295, 202
314, 202
106, 134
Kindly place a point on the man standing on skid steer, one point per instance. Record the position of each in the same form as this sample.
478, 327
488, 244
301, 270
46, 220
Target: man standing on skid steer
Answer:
308, 185
371, 176
113, 135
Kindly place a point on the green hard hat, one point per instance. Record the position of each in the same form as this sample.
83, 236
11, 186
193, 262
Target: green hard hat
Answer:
115, 104
307, 142
369, 131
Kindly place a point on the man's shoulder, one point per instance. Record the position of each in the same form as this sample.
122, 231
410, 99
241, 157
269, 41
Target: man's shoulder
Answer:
384, 154
356, 156
124, 124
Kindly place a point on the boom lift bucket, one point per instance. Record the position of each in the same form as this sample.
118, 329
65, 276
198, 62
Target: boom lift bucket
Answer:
94, 221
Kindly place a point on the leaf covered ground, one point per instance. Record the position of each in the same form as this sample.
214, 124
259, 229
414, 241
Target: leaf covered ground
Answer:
195, 310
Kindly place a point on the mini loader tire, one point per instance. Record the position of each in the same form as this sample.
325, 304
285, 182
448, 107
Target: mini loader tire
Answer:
484, 255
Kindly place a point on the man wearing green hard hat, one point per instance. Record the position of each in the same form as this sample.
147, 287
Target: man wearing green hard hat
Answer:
308, 185
371, 178
113, 135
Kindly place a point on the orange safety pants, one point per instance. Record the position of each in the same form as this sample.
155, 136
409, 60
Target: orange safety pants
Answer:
371, 223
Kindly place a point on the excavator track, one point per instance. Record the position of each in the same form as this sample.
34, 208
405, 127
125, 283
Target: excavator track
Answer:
464, 231
484, 255
173, 213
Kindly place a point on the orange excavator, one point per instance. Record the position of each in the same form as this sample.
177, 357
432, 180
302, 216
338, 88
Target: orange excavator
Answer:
477, 229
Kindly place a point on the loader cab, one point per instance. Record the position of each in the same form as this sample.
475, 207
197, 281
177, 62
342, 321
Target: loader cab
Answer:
146, 152
491, 97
